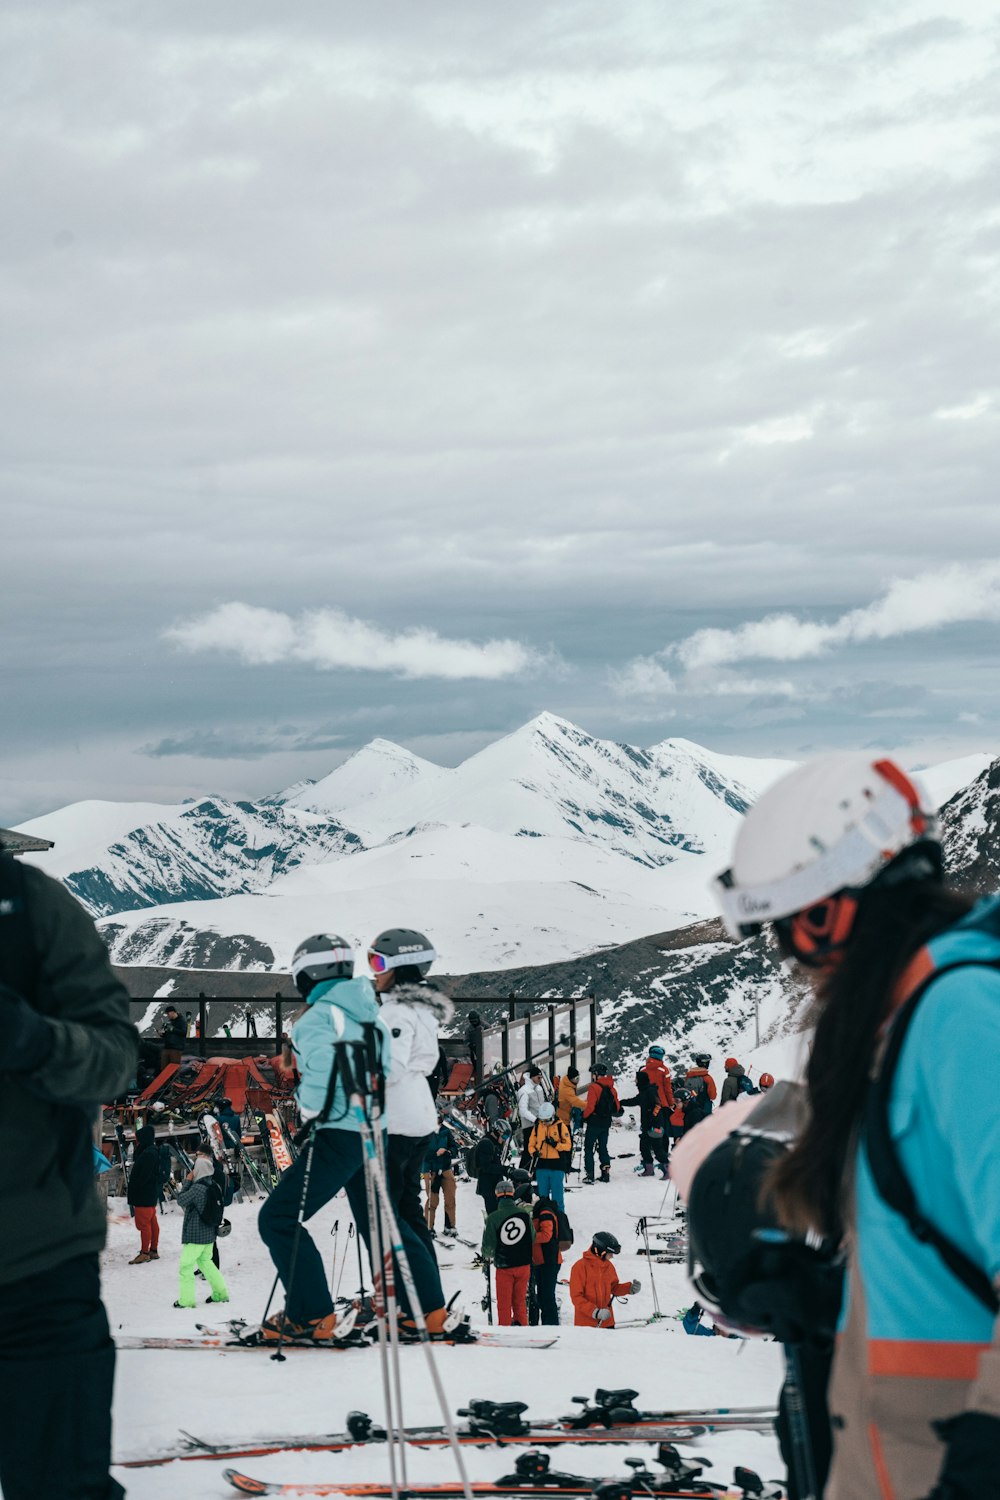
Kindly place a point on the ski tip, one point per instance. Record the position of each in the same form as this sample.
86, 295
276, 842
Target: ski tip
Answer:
247, 1486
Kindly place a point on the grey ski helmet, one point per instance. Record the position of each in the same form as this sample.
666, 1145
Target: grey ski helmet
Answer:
320, 958
504, 1188
702, 1059
605, 1243
400, 948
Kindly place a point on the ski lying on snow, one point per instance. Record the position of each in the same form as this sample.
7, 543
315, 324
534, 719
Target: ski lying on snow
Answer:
492, 1424
675, 1479
230, 1342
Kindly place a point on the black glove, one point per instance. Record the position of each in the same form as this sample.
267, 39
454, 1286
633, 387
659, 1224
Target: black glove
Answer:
26, 1038
970, 1466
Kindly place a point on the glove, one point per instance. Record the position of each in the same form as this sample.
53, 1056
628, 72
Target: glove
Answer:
970, 1465
636, 1285
602, 1315
26, 1038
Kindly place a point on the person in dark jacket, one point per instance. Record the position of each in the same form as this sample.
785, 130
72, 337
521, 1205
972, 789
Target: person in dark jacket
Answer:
546, 1259
66, 1042
172, 1037
439, 1175
602, 1107
653, 1117
197, 1234
145, 1185
489, 1166
735, 1082
232, 1126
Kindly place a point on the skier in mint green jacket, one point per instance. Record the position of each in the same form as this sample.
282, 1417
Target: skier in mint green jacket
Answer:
338, 1008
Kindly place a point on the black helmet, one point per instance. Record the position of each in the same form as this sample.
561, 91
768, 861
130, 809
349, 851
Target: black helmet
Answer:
598, 1068
702, 1059
225, 1103
400, 948
319, 958
605, 1243
518, 1174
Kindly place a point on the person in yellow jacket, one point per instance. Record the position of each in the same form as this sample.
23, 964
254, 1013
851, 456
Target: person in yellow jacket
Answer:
568, 1099
551, 1147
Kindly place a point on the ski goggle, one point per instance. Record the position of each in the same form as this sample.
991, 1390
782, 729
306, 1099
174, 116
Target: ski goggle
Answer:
380, 963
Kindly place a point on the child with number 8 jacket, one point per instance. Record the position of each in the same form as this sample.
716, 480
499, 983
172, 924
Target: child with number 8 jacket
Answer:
507, 1241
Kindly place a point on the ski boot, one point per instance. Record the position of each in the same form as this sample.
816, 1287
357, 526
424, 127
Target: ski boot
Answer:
141, 1258
589, 1181
334, 1328
605, 1174
665, 1171
443, 1325
450, 1231
645, 1171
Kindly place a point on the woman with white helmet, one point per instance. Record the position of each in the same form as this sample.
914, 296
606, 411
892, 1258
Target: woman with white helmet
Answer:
901, 1157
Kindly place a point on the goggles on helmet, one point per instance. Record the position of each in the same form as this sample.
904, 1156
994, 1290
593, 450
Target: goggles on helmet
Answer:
380, 963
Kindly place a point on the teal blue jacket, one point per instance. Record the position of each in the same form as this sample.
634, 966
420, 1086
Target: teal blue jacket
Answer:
916, 1346
339, 1011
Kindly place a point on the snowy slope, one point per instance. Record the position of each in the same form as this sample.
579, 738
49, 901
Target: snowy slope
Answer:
83, 832
488, 900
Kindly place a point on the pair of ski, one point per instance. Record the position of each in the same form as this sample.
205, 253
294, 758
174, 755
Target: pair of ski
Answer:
676, 1478
609, 1418
237, 1335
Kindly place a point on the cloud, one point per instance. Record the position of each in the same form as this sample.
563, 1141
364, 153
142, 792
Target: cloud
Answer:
930, 601
251, 744
329, 639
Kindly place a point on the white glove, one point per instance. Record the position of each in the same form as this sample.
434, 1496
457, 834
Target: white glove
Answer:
602, 1315
636, 1284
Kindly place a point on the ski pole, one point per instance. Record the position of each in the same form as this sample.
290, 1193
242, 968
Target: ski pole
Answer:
335, 1232
489, 1292
652, 1284
343, 1263
803, 1464
391, 1312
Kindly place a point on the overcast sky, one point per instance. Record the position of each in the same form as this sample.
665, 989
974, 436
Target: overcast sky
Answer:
409, 368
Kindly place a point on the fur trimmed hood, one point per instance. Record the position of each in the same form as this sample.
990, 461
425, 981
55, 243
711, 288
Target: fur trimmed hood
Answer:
422, 994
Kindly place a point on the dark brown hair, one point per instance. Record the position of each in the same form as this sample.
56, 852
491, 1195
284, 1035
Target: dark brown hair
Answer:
853, 999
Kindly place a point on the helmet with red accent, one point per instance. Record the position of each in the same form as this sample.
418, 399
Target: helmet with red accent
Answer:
807, 851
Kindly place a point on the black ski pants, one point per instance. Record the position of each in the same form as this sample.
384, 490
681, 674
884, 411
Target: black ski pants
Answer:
544, 1278
57, 1368
337, 1162
596, 1135
651, 1147
405, 1165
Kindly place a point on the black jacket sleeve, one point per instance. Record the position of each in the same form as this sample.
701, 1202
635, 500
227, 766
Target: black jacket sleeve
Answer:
95, 1046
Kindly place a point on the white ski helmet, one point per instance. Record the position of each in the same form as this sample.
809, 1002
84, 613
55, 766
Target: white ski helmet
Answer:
320, 958
830, 827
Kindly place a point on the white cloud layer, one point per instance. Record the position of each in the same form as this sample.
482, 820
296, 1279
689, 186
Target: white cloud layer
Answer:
331, 639
951, 596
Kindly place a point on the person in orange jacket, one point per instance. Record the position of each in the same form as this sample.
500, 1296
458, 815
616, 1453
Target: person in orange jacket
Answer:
593, 1282
567, 1099
701, 1086
655, 1069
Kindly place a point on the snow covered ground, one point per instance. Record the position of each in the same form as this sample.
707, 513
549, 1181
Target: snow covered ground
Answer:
219, 1395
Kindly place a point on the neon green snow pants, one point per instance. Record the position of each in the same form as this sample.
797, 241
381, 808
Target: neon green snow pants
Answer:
199, 1257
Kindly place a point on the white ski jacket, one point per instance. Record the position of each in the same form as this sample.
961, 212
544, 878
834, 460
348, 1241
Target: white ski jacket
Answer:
529, 1097
413, 1013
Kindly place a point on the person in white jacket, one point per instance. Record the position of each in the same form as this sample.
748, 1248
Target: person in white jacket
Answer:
530, 1096
412, 1010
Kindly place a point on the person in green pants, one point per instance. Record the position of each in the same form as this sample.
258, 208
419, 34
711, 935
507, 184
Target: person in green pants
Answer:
202, 1205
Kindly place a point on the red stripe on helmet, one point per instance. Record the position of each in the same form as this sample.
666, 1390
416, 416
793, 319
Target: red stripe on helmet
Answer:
890, 772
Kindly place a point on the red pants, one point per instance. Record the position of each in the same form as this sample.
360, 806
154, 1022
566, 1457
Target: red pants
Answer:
148, 1226
512, 1295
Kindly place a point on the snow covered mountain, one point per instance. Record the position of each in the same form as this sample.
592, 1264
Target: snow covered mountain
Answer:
971, 823
211, 848
547, 844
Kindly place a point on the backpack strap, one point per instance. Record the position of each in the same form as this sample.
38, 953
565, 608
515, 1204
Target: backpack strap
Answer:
891, 1181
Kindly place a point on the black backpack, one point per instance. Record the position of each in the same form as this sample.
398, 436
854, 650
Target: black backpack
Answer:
564, 1231
604, 1109
214, 1210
